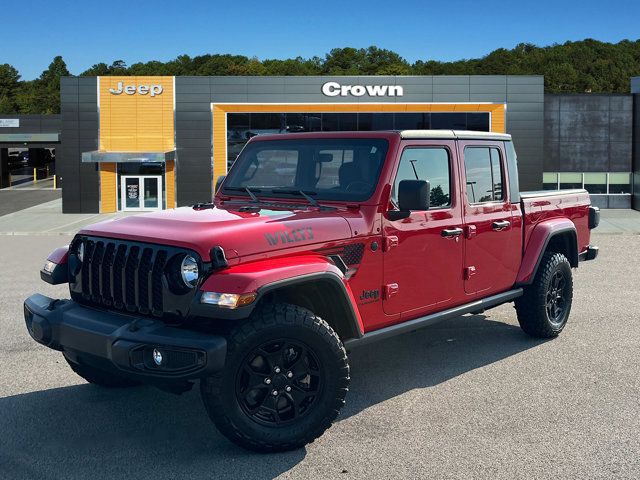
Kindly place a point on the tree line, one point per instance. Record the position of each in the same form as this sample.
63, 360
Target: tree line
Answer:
583, 66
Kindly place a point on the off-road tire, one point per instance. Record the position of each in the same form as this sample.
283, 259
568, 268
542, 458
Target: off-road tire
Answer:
272, 323
532, 306
100, 377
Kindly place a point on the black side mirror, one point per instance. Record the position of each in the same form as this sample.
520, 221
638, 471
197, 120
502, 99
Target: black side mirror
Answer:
219, 182
414, 195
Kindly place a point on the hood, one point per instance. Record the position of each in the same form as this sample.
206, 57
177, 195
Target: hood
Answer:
238, 233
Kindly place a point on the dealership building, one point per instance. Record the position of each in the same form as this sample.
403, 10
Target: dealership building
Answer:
144, 143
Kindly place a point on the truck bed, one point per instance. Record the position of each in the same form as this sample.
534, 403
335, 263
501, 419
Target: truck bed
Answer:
547, 204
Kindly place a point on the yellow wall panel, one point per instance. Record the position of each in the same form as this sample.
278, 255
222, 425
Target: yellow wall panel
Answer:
170, 184
108, 188
219, 114
135, 123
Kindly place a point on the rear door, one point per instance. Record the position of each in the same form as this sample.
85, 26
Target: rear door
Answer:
492, 247
422, 268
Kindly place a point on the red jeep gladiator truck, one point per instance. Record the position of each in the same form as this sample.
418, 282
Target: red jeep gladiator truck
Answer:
315, 244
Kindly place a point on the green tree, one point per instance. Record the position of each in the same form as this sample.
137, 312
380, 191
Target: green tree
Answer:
9, 78
48, 92
97, 70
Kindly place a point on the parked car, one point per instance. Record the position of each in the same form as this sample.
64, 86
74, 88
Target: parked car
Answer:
260, 294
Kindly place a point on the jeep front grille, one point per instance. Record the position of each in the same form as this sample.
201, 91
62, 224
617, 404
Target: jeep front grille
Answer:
128, 276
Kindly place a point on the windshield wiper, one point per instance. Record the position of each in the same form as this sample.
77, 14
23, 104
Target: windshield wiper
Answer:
305, 194
249, 190
293, 191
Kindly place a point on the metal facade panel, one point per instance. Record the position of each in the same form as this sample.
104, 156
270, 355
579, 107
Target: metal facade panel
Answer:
79, 128
636, 147
193, 134
589, 132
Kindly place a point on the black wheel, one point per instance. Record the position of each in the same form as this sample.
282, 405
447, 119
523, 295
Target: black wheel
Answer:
100, 377
544, 308
284, 382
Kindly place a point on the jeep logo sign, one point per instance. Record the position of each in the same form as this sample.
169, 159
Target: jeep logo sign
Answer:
334, 89
152, 90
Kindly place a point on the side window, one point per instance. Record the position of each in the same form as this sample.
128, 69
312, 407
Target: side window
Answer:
430, 164
484, 174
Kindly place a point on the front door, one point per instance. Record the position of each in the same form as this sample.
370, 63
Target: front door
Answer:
492, 252
140, 192
424, 253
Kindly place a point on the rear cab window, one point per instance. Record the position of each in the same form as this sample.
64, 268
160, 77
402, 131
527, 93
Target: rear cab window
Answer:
484, 174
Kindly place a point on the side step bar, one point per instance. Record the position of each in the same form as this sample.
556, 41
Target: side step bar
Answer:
417, 323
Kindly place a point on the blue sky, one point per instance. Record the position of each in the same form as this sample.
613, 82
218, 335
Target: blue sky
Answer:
84, 32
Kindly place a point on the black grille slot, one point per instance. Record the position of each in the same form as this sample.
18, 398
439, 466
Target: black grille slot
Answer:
118, 267
144, 269
86, 268
107, 274
130, 279
123, 275
96, 264
156, 282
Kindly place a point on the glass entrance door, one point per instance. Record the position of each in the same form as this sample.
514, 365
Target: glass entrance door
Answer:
141, 192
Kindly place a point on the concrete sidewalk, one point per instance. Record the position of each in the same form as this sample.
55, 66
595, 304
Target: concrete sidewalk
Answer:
13, 199
48, 219
618, 221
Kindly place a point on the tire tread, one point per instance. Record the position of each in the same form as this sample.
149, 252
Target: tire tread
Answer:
530, 307
285, 316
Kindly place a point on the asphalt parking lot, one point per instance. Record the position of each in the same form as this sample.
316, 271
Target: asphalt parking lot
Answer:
469, 398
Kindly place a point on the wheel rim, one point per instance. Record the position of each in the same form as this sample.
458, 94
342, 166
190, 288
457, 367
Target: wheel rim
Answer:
279, 382
556, 301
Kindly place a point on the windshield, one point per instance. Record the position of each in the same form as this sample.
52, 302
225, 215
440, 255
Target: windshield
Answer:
326, 169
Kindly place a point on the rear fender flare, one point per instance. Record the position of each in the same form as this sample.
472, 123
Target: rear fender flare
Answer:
540, 238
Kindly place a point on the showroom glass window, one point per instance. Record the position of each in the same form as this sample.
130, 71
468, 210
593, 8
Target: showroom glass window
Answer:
242, 126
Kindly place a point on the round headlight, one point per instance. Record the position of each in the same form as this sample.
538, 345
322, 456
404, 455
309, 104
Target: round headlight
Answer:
189, 271
81, 252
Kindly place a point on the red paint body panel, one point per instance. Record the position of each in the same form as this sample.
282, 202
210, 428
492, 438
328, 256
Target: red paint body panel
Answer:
421, 271
240, 234
250, 277
59, 255
573, 205
425, 265
492, 254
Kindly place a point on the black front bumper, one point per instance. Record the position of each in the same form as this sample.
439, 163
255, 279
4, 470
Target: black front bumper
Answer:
129, 345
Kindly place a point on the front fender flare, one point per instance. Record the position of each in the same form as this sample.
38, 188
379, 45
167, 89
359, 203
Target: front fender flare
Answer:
538, 241
266, 276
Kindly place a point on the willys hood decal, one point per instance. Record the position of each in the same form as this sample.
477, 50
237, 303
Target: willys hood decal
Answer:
239, 233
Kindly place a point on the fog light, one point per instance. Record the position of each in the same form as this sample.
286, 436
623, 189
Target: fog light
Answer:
227, 300
157, 357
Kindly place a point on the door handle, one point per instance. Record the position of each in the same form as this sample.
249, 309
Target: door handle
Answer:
501, 225
452, 232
